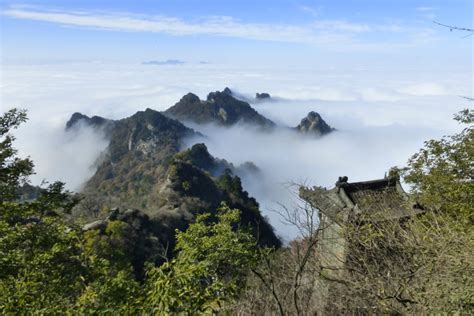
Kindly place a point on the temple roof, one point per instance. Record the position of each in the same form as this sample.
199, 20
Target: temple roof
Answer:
380, 199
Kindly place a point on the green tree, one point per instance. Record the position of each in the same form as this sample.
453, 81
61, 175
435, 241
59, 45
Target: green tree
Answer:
43, 266
40, 264
423, 264
209, 270
115, 244
109, 291
442, 173
418, 265
13, 170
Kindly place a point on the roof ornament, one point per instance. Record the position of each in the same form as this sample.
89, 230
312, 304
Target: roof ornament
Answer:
341, 182
393, 174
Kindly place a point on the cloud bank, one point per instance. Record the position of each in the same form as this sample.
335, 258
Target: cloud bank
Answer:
370, 139
381, 121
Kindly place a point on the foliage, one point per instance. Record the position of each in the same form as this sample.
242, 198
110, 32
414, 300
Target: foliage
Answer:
44, 269
127, 238
110, 293
418, 265
41, 267
55, 199
114, 245
210, 267
50, 266
285, 280
442, 173
13, 170
422, 264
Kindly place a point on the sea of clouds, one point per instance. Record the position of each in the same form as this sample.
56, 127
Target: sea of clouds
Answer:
381, 117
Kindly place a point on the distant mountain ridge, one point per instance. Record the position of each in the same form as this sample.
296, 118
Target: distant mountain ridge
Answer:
95, 121
220, 108
144, 166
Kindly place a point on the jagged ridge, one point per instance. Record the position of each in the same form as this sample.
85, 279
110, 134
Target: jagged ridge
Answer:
220, 108
143, 169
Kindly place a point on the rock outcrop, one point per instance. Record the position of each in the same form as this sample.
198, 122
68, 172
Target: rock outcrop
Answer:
95, 121
313, 124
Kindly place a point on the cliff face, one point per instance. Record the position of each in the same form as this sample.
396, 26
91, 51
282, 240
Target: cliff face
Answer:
143, 168
135, 159
219, 108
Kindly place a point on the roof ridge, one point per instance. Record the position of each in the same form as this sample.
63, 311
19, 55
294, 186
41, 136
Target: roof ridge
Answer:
369, 182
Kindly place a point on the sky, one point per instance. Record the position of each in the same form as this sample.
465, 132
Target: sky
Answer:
379, 71
353, 33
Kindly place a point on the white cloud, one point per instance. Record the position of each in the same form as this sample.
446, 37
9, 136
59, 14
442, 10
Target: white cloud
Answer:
220, 25
371, 138
427, 12
381, 119
425, 89
61, 156
425, 9
314, 11
342, 26
345, 33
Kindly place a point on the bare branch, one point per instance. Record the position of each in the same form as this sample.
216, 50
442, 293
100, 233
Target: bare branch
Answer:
451, 27
467, 98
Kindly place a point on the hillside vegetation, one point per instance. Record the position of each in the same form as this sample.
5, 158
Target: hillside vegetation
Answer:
176, 233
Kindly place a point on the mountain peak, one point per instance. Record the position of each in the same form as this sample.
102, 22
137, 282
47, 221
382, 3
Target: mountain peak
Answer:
313, 123
190, 98
225, 94
220, 107
75, 118
95, 121
149, 115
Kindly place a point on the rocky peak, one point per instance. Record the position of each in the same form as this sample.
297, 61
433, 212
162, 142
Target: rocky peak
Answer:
190, 98
220, 107
95, 121
151, 119
149, 132
227, 91
220, 96
75, 118
313, 123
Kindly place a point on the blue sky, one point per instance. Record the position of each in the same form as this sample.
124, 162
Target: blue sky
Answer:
351, 33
